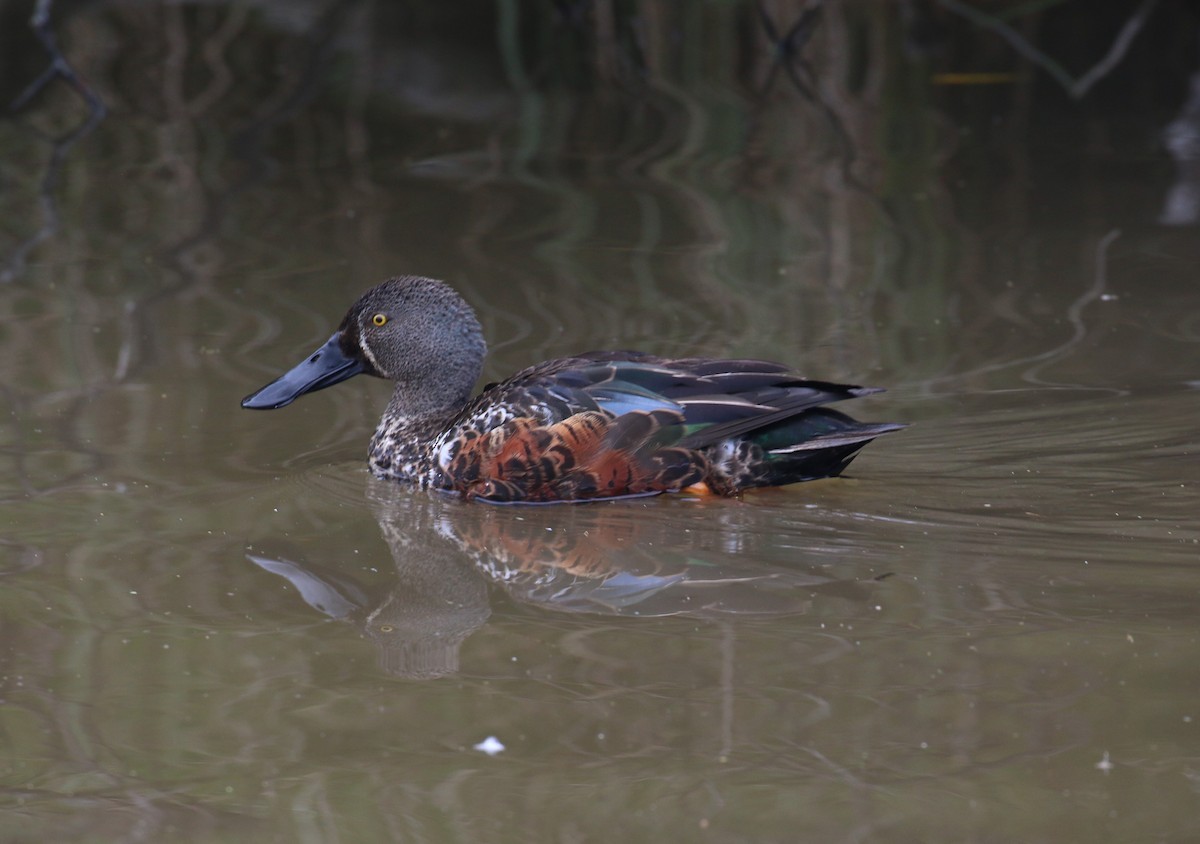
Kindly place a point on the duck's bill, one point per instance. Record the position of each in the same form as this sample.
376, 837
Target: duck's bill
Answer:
325, 367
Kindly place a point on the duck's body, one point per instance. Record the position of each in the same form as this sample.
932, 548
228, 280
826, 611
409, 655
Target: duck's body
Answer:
609, 424
599, 425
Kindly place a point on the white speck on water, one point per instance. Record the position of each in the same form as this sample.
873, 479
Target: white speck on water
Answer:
1105, 764
490, 745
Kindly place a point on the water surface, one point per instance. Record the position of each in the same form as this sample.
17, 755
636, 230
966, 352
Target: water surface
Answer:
219, 627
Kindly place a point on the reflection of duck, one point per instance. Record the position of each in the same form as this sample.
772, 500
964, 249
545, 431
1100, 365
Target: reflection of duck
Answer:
614, 560
600, 425
419, 621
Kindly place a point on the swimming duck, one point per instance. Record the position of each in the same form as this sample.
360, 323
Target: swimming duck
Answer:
595, 426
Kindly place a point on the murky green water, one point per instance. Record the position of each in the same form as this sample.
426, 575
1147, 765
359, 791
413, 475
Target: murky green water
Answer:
218, 627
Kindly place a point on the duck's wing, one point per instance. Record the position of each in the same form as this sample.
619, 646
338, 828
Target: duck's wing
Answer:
756, 422
715, 399
624, 423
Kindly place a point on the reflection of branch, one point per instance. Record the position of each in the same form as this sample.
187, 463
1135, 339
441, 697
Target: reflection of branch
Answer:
248, 142
788, 47
788, 55
1036, 363
1075, 311
39, 22
59, 68
1075, 87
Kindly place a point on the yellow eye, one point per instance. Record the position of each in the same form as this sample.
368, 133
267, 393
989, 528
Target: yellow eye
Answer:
379, 319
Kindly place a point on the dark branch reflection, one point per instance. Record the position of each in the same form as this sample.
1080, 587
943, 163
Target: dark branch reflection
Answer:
58, 69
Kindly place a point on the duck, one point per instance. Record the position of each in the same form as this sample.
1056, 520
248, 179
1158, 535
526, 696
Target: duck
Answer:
596, 426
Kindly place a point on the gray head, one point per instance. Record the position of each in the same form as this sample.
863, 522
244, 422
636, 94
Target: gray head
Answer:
415, 331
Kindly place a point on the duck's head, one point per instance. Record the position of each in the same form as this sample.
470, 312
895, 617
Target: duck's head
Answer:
417, 332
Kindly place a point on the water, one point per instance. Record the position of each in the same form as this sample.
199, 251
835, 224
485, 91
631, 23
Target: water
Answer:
218, 627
